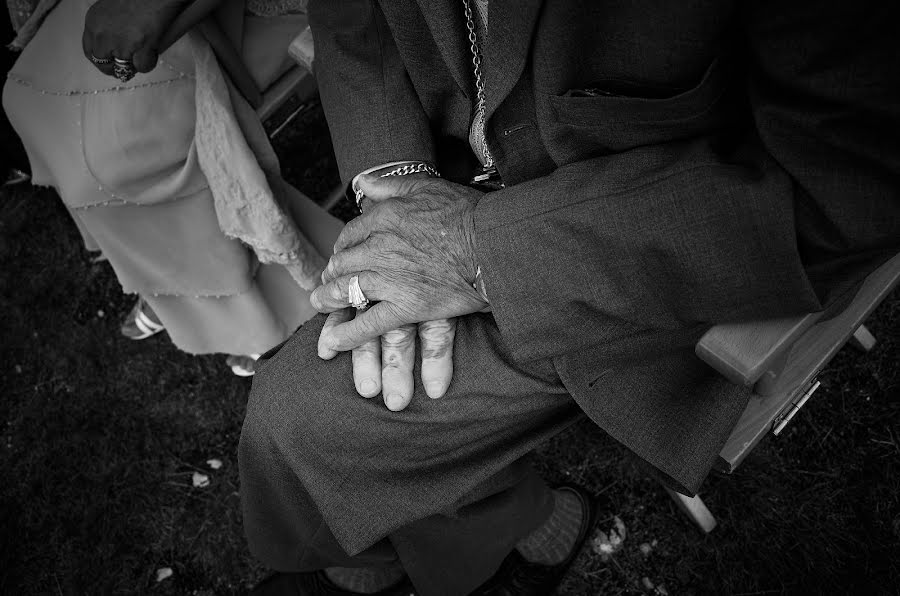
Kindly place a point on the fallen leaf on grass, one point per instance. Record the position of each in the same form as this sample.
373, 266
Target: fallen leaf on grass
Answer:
215, 464
200, 480
607, 544
659, 590
163, 573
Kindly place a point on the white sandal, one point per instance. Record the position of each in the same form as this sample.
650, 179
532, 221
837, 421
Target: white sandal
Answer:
243, 366
138, 325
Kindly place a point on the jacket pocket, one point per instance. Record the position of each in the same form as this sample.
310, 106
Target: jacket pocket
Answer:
614, 116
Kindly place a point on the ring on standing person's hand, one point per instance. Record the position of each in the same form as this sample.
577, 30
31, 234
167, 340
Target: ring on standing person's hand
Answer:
123, 69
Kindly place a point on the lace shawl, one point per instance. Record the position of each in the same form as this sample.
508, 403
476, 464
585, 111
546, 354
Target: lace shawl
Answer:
273, 8
244, 175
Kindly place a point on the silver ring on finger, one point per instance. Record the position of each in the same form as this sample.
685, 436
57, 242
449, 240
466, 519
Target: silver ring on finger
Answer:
123, 69
355, 295
100, 61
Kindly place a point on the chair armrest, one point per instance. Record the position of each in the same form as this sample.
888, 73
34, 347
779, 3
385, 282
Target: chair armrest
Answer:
302, 49
296, 81
231, 61
744, 352
200, 14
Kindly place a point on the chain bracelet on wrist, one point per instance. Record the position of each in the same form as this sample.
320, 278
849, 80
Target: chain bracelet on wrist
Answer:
405, 169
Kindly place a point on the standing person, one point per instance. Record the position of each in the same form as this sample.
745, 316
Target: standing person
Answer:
168, 173
13, 163
615, 179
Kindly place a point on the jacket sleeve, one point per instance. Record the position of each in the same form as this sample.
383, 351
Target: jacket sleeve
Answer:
372, 110
647, 248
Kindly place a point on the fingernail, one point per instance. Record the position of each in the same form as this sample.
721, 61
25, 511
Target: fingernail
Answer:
434, 389
393, 401
367, 387
326, 352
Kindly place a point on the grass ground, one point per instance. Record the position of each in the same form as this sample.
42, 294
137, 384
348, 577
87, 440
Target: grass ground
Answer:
101, 437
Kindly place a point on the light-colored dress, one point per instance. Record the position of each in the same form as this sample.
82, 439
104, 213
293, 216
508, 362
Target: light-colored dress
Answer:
125, 161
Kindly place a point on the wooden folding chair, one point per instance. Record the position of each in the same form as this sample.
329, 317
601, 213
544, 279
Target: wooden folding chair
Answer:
781, 359
207, 16
298, 81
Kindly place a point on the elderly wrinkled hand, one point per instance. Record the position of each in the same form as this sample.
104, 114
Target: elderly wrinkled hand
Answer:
413, 251
385, 364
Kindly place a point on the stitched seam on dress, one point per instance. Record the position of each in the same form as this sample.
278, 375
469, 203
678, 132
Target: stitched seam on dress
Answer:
253, 278
202, 294
119, 202
171, 67
15, 79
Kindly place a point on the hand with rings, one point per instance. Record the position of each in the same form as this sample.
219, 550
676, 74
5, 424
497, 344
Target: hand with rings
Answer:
122, 37
411, 255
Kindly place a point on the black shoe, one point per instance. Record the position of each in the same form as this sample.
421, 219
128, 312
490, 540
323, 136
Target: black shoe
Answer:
518, 577
316, 583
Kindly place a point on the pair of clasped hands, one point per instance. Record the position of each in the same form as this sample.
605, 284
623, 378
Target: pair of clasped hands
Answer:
414, 252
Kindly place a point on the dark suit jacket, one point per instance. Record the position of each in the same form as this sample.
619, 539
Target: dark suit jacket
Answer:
669, 165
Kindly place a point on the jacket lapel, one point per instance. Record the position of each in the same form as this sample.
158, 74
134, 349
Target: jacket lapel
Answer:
511, 26
510, 29
448, 27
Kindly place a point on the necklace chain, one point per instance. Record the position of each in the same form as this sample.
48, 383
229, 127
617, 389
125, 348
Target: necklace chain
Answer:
479, 86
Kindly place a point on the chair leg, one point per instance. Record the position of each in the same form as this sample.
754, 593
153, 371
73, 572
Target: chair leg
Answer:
863, 339
695, 509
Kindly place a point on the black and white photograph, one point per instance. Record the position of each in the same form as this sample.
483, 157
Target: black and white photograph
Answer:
449, 298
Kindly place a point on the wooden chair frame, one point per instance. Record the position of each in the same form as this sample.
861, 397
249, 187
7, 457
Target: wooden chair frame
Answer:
781, 359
